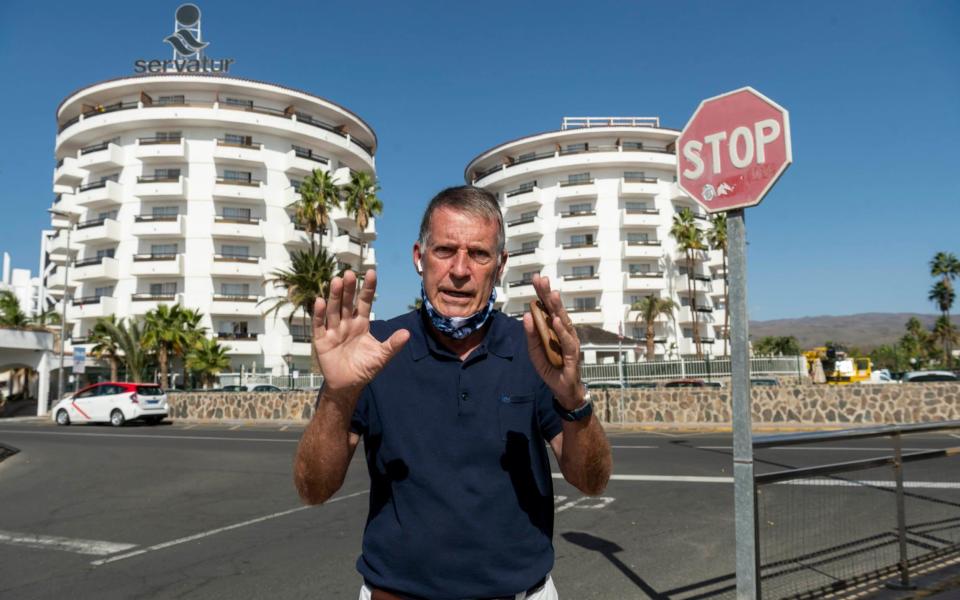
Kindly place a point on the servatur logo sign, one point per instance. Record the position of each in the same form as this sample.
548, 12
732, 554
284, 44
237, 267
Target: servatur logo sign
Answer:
187, 43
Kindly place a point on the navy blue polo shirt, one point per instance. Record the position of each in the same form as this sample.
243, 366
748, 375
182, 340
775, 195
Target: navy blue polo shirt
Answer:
461, 496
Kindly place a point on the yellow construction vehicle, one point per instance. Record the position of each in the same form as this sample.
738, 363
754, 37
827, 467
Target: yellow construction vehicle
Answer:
837, 367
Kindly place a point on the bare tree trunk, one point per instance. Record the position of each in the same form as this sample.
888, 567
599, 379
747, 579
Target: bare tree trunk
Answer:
114, 368
726, 306
692, 287
650, 343
162, 356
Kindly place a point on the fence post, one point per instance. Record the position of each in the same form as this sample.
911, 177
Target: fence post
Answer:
904, 583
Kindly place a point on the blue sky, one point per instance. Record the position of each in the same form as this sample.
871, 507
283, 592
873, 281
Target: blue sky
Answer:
873, 90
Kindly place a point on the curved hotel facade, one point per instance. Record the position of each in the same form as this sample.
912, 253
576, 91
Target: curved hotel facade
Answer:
591, 207
180, 188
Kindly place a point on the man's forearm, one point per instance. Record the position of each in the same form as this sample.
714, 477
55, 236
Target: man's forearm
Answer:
324, 452
586, 459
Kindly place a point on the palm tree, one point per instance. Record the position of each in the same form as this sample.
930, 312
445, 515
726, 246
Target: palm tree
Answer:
207, 359
318, 196
649, 309
11, 315
946, 266
717, 238
416, 304
944, 331
942, 295
193, 331
129, 340
105, 345
163, 333
689, 239
361, 201
307, 279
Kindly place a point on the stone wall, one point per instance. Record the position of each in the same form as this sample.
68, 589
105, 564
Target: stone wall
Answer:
776, 405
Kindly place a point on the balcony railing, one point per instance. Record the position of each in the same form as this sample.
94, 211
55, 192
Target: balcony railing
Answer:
158, 179
86, 300
151, 257
93, 185
643, 211
578, 213
257, 108
155, 218
223, 335
252, 145
704, 309
309, 155
643, 242
520, 190
521, 252
582, 309
246, 182
235, 258
244, 220
149, 141
92, 223
301, 339
576, 182
94, 148
86, 262
628, 179
572, 277
153, 297
235, 298
571, 245
649, 274
519, 283
522, 221
519, 160
108, 108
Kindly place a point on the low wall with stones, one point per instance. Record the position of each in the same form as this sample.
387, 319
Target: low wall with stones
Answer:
774, 405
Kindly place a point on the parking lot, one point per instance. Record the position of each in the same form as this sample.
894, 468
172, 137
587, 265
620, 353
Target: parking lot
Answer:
209, 511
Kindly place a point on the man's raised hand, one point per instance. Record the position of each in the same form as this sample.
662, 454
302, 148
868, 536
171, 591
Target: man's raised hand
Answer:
348, 355
564, 382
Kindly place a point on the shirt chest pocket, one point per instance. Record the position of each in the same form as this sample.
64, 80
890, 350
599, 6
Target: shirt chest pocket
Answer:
516, 416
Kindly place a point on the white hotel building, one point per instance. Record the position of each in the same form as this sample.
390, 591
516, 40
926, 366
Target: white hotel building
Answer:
591, 207
180, 188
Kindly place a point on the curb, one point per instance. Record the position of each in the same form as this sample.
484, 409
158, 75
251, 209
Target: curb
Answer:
7, 451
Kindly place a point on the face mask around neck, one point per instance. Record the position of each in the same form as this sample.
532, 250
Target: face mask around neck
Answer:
457, 327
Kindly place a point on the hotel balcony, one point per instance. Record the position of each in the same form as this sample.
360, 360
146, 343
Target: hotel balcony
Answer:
159, 226
68, 172
295, 236
55, 280
102, 267
646, 249
369, 259
577, 189
343, 220
346, 248
305, 162
581, 219
57, 248
99, 192
579, 251
237, 227
153, 186
581, 283
244, 344
232, 153
235, 189
520, 289
91, 307
704, 314
521, 258
639, 186
644, 281
290, 196
522, 198
237, 266
243, 306
649, 217
141, 304
157, 264
589, 316
701, 283
160, 149
678, 194
524, 227
97, 230
98, 156
66, 204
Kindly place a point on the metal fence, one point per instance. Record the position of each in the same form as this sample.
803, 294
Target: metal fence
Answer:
701, 369
822, 531
309, 381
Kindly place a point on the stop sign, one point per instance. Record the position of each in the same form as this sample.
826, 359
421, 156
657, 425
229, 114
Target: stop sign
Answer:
733, 149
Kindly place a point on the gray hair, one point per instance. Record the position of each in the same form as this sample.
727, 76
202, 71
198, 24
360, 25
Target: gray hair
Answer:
471, 200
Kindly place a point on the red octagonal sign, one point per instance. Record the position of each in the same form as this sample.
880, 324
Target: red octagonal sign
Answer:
733, 150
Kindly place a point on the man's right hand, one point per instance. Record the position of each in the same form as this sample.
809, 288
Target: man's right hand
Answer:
349, 356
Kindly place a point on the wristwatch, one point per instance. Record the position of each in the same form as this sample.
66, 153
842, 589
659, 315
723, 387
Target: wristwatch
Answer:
577, 414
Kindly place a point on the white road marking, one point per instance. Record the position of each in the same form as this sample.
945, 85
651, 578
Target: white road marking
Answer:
159, 437
236, 427
284, 428
585, 502
189, 427
198, 536
838, 448
637, 447
934, 485
52, 542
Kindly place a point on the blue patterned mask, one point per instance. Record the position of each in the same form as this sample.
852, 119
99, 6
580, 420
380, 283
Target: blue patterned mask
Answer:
457, 327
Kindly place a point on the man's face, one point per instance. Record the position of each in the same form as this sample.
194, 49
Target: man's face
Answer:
460, 265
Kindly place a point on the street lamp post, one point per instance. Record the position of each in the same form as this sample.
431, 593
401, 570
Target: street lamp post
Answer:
288, 358
71, 218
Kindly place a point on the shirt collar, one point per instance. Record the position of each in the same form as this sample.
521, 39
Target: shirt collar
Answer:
497, 340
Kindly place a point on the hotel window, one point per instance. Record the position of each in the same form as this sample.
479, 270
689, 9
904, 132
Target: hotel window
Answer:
106, 253
687, 332
531, 245
235, 289
107, 214
528, 276
166, 174
168, 136
167, 288
633, 145
583, 271
637, 206
637, 334
526, 187
177, 99
295, 184
578, 178
684, 301
528, 215
100, 292
637, 237
233, 251
114, 177
584, 207
574, 148
581, 239
639, 268
584, 304
527, 156
238, 139
634, 175
163, 249
300, 331
237, 328
241, 176
232, 212
238, 102
165, 211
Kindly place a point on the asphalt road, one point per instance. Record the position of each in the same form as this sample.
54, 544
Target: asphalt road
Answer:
209, 511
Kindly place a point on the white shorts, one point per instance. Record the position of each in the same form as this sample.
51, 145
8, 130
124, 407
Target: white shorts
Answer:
547, 592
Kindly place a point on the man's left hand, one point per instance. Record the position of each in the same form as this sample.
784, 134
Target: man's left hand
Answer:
563, 382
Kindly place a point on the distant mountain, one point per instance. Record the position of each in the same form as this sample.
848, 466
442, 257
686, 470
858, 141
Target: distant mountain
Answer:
865, 331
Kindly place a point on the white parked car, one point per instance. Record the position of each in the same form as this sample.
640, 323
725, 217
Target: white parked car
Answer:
112, 402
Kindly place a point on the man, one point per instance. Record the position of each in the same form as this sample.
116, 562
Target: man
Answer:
454, 403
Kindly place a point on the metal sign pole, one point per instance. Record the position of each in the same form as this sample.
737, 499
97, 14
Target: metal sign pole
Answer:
748, 555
